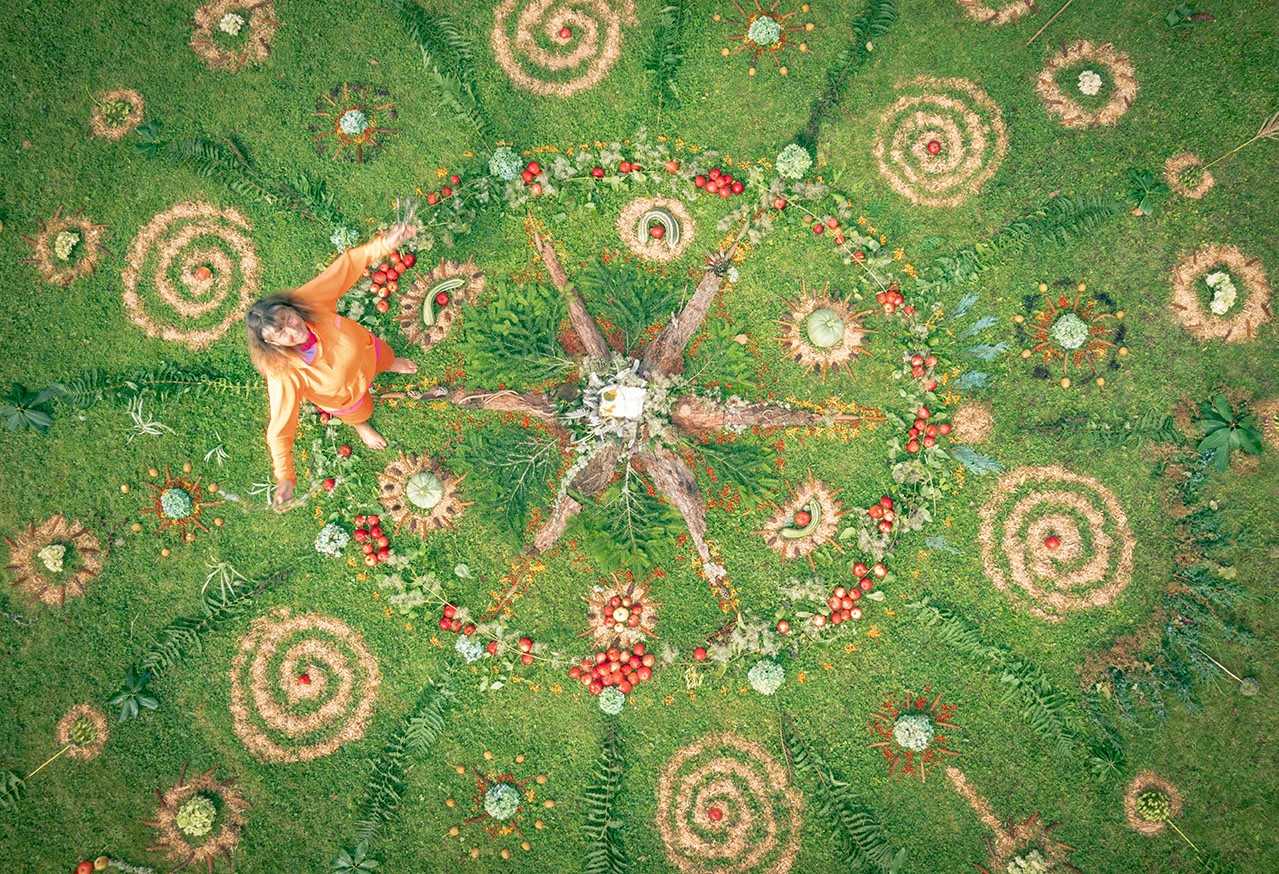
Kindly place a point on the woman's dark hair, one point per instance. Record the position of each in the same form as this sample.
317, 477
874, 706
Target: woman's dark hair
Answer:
271, 311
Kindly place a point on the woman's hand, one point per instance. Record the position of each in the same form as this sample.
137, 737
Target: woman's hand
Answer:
283, 494
398, 234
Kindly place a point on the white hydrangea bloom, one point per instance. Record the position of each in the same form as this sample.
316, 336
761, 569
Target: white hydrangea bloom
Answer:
231, 23
1089, 82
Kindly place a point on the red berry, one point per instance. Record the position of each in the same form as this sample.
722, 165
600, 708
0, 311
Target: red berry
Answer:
700, 654
304, 679
657, 231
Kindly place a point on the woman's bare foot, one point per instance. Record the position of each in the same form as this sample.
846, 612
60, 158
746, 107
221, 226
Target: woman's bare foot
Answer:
403, 365
370, 436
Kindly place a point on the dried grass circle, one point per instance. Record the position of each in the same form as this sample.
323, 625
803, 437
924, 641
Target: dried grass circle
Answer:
261, 26
394, 483
760, 819
1065, 108
93, 748
463, 282
101, 126
973, 423
672, 245
53, 269
996, 13
967, 127
825, 531
1175, 166
812, 356
1149, 780
281, 719
176, 845
195, 312
35, 580
1093, 560
1188, 308
1268, 417
529, 47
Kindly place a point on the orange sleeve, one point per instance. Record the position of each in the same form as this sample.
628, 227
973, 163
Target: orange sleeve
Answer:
325, 289
285, 402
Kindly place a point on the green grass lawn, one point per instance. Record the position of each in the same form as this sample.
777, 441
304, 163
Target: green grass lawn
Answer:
1203, 88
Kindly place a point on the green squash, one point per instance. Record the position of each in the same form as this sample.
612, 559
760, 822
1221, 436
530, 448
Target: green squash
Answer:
824, 328
424, 490
450, 285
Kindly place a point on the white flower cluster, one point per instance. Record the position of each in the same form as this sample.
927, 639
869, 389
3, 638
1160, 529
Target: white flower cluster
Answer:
766, 677
52, 556
1031, 863
331, 540
353, 122
1224, 293
913, 731
1089, 82
64, 243
469, 648
231, 23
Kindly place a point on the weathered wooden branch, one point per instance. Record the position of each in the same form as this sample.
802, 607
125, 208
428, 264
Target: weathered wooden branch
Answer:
590, 480
536, 405
581, 319
665, 353
701, 416
673, 478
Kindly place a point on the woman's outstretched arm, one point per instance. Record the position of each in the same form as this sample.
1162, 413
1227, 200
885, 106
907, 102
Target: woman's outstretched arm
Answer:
325, 289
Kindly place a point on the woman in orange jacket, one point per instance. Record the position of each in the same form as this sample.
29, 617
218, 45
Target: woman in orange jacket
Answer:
308, 352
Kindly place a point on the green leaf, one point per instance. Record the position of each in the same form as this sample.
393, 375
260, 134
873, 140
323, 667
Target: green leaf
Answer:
1222, 405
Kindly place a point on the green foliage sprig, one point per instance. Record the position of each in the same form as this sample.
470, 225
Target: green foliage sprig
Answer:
516, 338
628, 298
604, 851
744, 464
354, 860
855, 826
1225, 431
449, 60
624, 526
1044, 707
877, 20
510, 468
666, 54
13, 788
132, 698
1061, 219
412, 739
25, 409
161, 383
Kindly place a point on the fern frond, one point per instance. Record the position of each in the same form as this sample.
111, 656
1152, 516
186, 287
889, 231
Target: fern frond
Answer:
854, 825
604, 851
877, 20
666, 54
13, 788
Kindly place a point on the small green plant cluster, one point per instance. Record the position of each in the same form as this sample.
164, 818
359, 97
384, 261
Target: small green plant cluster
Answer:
1225, 431
196, 816
1154, 806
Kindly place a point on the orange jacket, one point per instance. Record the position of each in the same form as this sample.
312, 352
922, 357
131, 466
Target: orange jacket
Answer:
345, 358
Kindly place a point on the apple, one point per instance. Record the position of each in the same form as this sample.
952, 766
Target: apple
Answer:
672, 166
454, 179
819, 228
527, 176
330, 484
442, 299
779, 203
536, 188
526, 644
203, 273
700, 653
527, 658
382, 306
657, 231
783, 627
624, 166
534, 168
738, 187
597, 172
304, 679
933, 147
715, 814
446, 191
699, 181
802, 518
1052, 541
432, 198
344, 451
880, 570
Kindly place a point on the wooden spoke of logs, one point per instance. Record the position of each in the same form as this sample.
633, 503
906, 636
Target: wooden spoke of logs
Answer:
583, 323
536, 405
701, 416
590, 480
665, 354
673, 478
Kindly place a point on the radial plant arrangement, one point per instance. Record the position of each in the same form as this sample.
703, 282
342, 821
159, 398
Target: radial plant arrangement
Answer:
913, 731
766, 31
350, 121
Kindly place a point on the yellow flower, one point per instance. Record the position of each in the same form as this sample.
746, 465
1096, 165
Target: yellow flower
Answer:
803, 677
557, 688
441, 172
874, 632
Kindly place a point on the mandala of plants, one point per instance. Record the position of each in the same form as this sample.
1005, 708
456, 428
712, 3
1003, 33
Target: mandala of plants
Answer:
742, 375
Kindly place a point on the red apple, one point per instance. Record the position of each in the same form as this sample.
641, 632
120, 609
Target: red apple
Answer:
432, 198
409, 260
934, 147
536, 188
527, 658
1052, 541
802, 518
597, 172
657, 231
304, 679
783, 627
446, 191
454, 179
738, 187
442, 299
527, 176
534, 168
779, 203
715, 814
700, 654
330, 484
344, 451
672, 166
